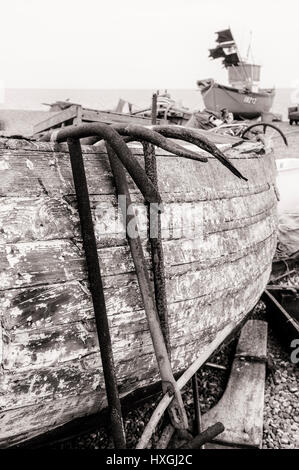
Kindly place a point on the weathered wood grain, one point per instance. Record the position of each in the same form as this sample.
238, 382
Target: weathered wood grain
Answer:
45, 218
56, 379
244, 392
50, 363
49, 305
52, 261
29, 174
56, 411
57, 119
30, 348
39, 218
128, 342
60, 304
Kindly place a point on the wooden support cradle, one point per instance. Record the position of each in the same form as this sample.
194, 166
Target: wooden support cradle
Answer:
241, 407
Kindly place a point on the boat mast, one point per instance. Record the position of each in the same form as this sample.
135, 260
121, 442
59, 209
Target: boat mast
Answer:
249, 47
247, 57
236, 46
240, 60
241, 74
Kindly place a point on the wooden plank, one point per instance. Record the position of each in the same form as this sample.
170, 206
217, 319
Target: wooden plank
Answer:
211, 445
78, 118
225, 145
51, 173
109, 117
241, 407
46, 262
253, 340
24, 219
57, 119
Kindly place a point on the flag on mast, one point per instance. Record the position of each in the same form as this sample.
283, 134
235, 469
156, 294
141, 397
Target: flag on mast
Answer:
231, 59
217, 52
226, 48
224, 36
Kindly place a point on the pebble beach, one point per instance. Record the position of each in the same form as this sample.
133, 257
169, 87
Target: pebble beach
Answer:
281, 411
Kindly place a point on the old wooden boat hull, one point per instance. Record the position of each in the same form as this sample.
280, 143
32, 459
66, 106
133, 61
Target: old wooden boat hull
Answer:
242, 103
216, 271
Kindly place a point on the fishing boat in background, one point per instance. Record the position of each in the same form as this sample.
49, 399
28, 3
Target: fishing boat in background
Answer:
242, 96
168, 111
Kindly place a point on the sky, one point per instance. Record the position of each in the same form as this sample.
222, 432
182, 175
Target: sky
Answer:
141, 43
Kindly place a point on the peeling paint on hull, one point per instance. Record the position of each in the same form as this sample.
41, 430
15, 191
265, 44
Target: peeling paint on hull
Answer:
50, 363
